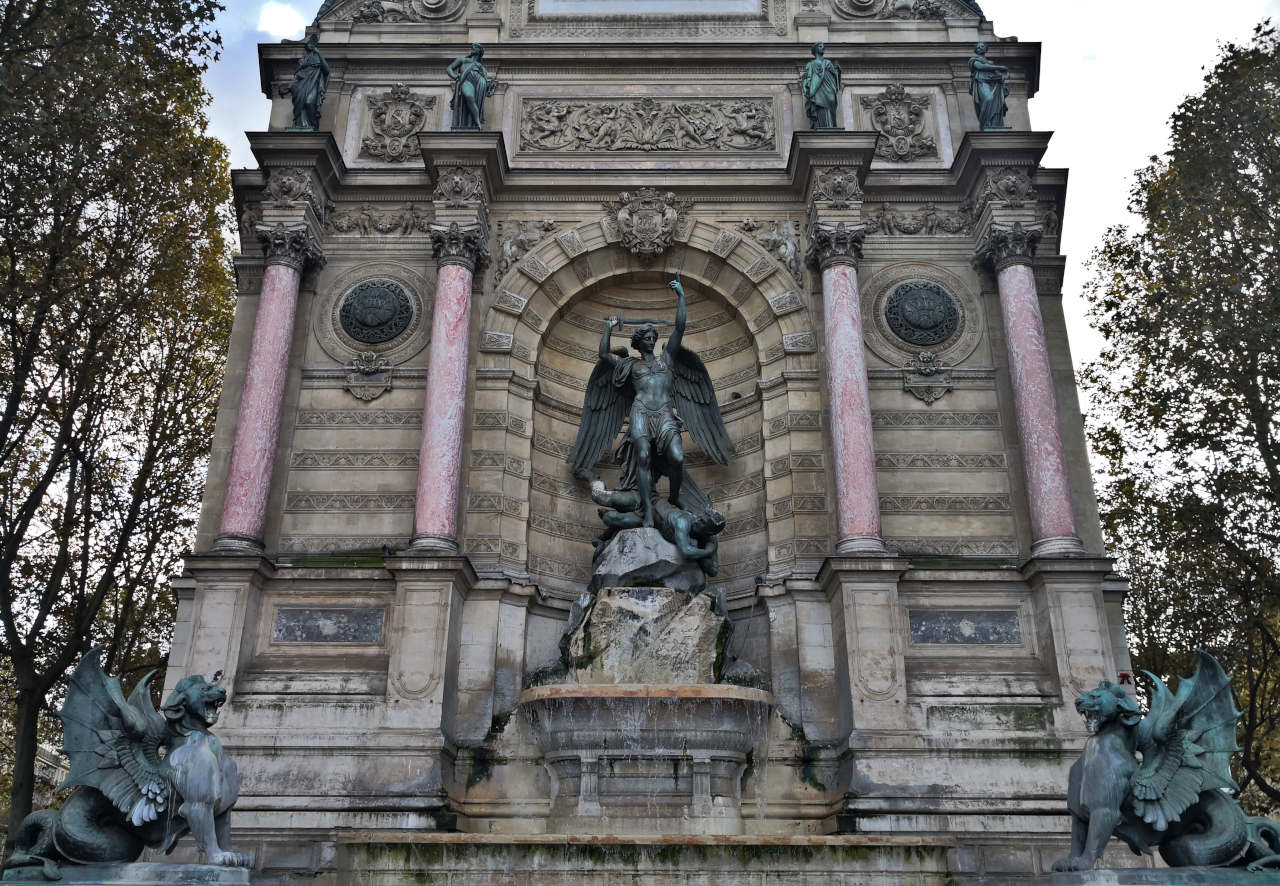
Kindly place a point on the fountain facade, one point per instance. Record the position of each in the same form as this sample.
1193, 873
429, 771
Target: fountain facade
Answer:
458, 637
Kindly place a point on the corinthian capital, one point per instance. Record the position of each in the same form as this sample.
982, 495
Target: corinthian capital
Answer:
837, 243
455, 244
292, 245
1006, 245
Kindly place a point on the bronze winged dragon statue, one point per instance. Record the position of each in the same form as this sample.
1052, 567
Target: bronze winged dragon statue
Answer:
143, 778
1163, 781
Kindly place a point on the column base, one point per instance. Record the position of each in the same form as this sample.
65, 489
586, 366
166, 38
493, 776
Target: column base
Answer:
862, 545
1057, 546
432, 544
237, 545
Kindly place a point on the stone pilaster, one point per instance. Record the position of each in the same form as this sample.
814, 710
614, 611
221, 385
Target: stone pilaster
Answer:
1009, 250
288, 250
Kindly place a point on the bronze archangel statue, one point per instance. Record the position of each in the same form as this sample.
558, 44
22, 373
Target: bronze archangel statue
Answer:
661, 396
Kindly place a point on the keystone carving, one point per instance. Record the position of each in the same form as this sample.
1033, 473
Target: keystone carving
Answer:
835, 244
646, 221
291, 245
1006, 245
395, 117
900, 118
456, 244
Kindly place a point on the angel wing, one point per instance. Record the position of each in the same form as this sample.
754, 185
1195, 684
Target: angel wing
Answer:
608, 400
696, 403
113, 744
1186, 742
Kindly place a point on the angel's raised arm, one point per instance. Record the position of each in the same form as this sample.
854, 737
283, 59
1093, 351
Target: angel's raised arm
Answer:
610, 323
682, 315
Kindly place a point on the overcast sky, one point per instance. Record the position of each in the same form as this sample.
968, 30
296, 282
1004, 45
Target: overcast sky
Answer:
1112, 73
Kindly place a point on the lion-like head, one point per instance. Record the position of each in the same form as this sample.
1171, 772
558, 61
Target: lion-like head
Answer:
194, 704
1107, 703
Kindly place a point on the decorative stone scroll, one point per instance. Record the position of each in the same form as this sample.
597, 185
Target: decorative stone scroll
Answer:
395, 117
366, 12
648, 124
900, 118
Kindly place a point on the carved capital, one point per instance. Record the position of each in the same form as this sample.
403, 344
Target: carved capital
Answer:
1006, 245
835, 244
292, 245
456, 244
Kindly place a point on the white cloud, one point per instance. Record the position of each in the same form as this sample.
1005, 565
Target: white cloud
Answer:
281, 20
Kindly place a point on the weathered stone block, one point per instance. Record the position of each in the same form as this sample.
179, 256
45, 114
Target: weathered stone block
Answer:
642, 558
141, 874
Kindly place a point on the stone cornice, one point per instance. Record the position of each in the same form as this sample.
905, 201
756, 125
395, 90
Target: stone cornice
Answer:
1003, 246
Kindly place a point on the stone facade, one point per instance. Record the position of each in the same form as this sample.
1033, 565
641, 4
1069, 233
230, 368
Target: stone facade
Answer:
391, 540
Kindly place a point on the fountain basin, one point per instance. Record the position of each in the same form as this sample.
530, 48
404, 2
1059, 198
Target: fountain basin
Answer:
646, 759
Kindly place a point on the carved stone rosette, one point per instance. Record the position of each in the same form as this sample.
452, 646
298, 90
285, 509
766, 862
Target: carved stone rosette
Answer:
457, 244
1006, 245
292, 245
835, 244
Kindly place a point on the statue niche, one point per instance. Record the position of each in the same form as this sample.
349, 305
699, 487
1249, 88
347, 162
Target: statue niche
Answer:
586, 489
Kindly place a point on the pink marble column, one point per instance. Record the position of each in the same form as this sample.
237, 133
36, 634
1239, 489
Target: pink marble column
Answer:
1009, 251
835, 249
253, 451
459, 250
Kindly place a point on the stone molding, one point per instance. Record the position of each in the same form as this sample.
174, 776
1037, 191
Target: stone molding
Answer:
837, 243
456, 244
291, 245
1003, 246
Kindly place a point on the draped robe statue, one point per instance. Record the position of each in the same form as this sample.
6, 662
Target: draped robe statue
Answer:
987, 86
471, 86
310, 83
821, 84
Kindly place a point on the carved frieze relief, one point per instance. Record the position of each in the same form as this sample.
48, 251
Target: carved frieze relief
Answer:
928, 220
363, 12
904, 9
395, 118
367, 220
648, 124
526, 20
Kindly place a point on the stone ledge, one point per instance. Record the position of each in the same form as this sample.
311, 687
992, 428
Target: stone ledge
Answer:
138, 874
1135, 877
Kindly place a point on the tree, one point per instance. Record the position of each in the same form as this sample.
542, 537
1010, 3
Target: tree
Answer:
116, 306
1187, 391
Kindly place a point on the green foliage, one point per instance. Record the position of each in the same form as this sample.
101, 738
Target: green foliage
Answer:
115, 304
1188, 392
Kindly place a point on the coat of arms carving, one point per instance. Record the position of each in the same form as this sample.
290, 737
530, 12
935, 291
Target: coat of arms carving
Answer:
646, 221
395, 117
900, 118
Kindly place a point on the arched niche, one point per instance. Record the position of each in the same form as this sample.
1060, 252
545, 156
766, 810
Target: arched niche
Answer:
542, 321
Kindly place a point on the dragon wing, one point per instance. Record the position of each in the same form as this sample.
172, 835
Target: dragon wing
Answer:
608, 399
695, 398
113, 744
1186, 742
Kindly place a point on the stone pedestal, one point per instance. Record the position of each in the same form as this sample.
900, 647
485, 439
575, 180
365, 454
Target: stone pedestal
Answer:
140, 874
648, 635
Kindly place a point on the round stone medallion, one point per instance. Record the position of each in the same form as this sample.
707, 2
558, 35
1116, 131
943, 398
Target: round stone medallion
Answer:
375, 311
921, 313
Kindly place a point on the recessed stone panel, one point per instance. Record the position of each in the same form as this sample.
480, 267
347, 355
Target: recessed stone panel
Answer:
328, 625
965, 627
